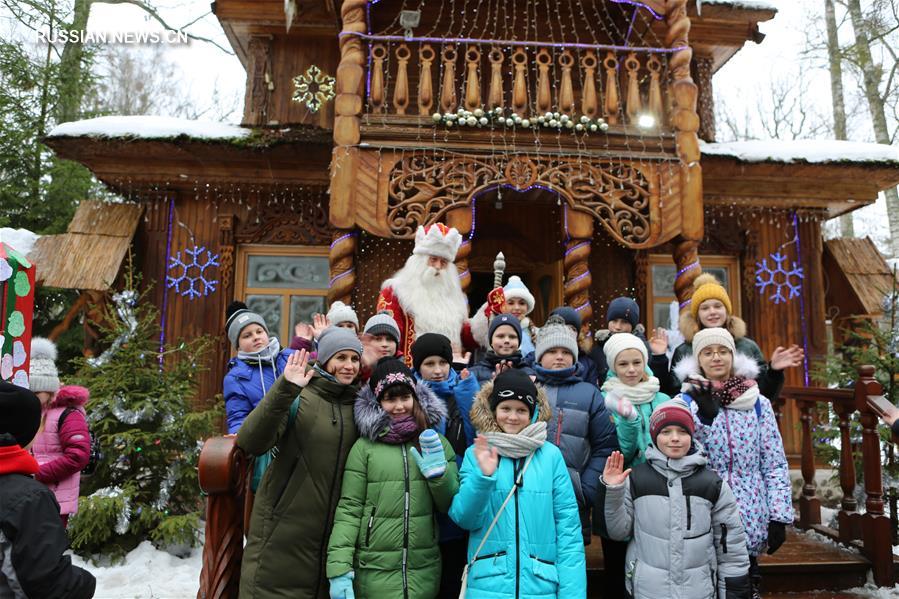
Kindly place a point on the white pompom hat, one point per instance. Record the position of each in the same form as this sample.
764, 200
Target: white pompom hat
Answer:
516, 288
340, 312
43, 373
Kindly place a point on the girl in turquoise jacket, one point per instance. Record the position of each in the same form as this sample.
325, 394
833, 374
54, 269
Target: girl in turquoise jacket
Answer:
631, 394
535, 550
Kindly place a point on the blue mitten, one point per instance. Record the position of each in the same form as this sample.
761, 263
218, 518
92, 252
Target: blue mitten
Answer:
431, 461
342, 586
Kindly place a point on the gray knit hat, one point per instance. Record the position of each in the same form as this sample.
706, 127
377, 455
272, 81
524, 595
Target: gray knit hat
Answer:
555, 333
43, 374
337, 339
239, 316
383, 323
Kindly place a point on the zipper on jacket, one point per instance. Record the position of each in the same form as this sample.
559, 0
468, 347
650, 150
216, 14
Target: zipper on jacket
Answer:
405, 524
730, 449
724, 538
488, 556
543, 561
323, 546
559, 427
689, 512
517, 541
371, 521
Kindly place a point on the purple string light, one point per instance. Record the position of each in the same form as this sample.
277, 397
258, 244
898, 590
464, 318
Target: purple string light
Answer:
582, 306
341, 238
630, 28
801, 300
494, 42
685, 303
165, 294
351, 270
690, 266
576, 247
637, 4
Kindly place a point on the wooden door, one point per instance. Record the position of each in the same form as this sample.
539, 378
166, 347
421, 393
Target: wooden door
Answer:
545, 282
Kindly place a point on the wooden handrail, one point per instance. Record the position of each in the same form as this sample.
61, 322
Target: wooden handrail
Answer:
872, 528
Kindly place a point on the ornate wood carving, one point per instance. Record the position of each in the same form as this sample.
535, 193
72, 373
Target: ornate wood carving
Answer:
641, 273
578, 228
222, 473
422, 189
702, 69
259, 71
342, 264
304, 222
686, 253
461, 219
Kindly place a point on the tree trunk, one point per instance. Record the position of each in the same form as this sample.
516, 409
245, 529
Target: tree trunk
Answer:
871, 87
847, 228
72, 66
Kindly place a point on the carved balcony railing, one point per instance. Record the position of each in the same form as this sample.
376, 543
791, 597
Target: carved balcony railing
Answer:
869, 531
426, 79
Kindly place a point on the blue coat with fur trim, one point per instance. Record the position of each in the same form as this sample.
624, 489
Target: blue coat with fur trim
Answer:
246, 383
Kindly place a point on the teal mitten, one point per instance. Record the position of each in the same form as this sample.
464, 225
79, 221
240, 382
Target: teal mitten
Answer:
431, 461
342, 586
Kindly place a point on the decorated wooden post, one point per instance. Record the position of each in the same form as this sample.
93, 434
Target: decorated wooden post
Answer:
16, 313
461, 220
342, 263
579, 238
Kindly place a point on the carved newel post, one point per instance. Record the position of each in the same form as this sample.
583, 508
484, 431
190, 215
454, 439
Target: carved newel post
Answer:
342, 266
578, 228
461, 219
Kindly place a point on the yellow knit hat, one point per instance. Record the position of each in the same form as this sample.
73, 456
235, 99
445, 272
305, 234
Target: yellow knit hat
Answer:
707, 287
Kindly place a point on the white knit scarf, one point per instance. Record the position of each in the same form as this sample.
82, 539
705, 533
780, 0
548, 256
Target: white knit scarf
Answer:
521, 444
641, 393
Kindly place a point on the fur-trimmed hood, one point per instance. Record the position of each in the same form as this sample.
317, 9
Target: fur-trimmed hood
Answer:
603, 334
71, 396
482, 417
372, 420
744, 366
689, 326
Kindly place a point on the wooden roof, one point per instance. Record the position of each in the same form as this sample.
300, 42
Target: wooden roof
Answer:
89, 255
865, 269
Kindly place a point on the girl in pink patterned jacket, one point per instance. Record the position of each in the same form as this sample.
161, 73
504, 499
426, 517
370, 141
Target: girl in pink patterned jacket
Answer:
62, 448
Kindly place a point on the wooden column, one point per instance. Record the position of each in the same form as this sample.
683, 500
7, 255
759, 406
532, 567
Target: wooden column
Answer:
578, 229
686, 259
258, 94
812, 257
809, 504
702, 74
461, 219
342, 266
222, 475
848, 518
876, 541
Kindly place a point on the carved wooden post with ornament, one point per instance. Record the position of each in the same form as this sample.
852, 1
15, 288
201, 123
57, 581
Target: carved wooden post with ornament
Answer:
461, 220
342, 266
578, 229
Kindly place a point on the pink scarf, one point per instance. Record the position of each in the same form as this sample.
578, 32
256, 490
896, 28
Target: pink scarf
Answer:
400, 430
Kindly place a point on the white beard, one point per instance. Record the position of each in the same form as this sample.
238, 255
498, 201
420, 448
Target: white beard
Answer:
434, 299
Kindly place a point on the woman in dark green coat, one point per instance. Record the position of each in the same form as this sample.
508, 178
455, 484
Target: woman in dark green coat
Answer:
295, 503
384, 541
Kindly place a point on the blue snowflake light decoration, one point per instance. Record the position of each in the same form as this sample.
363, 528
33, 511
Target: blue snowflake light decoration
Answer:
778, 278
189, 276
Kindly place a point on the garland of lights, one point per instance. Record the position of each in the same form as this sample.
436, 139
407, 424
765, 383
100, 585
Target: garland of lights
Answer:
502, 117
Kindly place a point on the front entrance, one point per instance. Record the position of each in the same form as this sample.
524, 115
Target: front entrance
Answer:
527, 228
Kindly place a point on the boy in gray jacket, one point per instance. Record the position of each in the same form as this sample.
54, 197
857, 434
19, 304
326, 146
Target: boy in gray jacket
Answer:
686, 540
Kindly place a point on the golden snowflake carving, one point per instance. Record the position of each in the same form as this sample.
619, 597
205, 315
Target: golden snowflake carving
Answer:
313, 88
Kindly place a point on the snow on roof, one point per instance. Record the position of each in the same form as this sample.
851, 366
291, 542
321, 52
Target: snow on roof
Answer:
812, 151
148, 127
744, 4
21, 240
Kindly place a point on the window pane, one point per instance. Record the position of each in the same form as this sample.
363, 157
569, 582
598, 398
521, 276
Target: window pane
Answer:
720, 273
303, 307
663, 279
269, 307
304, 272
661, 315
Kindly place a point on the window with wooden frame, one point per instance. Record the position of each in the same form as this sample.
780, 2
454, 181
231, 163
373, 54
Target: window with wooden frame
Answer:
660, 285
284, 284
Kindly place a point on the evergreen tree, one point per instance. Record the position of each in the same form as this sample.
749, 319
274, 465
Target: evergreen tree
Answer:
146, 484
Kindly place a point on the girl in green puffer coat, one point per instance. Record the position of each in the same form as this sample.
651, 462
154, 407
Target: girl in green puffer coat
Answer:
631, 394
384, 540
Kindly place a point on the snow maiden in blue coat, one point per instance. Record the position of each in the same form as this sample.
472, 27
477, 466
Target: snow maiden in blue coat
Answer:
736, 425
512, 477
259, 362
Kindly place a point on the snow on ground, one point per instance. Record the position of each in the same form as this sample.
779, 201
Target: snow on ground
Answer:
747, 4
148, 127
815, 151
147, 573
21, 240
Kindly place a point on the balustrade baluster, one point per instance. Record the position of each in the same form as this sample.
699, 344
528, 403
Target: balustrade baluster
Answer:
847, 518
610, 63
544, 96
634, 103
377, 92
401, 91
473, 78
448, 89
656, 104
809, 504
520, 85
495, 93
566, 89
589, 97
426, 57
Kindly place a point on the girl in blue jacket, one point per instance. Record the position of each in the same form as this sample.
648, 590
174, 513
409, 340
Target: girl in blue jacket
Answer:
259, 362
517, 501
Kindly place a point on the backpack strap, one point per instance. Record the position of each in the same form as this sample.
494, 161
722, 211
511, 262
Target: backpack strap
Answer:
758, 408
63, 416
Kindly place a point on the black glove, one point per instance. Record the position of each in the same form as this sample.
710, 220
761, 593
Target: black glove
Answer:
777, 534
708, 406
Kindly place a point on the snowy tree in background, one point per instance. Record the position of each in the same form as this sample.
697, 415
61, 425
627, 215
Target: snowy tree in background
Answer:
145, 486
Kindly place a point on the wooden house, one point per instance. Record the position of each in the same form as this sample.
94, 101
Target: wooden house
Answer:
577, 138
